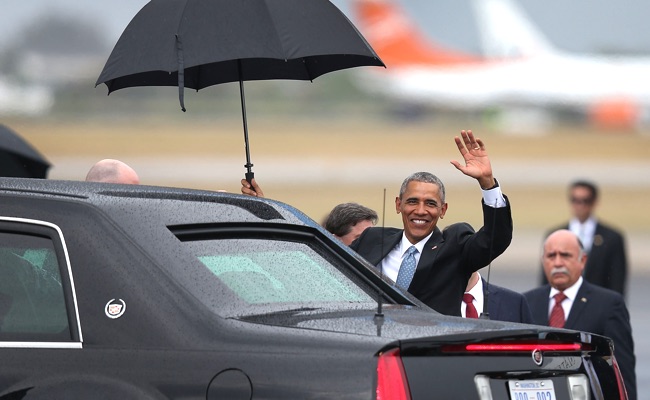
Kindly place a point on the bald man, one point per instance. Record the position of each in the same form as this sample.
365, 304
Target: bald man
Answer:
112, 171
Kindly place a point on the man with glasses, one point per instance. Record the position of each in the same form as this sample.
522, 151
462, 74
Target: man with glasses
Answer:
607, 262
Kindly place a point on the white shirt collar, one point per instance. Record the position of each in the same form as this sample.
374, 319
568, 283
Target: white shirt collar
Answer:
391, 263
589, 226
571, 292
405, 243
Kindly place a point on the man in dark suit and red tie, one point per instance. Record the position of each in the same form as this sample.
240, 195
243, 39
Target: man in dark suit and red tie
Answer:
434, 265
605, 245
569, 301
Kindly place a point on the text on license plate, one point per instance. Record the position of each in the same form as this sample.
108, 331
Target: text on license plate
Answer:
531, 389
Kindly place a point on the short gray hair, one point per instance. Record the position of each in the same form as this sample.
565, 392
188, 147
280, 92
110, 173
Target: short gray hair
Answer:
425, 177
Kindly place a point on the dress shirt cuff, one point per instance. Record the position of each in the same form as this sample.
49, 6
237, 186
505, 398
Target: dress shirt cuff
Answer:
494, 197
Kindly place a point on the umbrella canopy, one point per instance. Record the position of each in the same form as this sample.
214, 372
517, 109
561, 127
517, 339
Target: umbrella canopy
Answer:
18, 158
200, 43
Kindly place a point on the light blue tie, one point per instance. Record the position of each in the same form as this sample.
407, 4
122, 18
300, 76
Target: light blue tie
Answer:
407, 269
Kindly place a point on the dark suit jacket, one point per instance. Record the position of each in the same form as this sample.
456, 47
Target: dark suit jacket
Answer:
596, 310
448, 258
506, 305
606, 264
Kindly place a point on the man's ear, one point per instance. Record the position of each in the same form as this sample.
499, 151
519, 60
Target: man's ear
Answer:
398, 203
443, 210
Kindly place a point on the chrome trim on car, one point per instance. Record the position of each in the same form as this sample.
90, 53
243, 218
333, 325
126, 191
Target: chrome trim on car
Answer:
67, 261
41, 345
578, 387
482, 383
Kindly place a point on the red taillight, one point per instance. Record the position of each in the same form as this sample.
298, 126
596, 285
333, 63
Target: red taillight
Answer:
515, 347
523, 347
391, 378
622, 392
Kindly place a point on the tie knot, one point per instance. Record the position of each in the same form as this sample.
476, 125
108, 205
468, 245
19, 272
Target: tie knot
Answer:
559, 297
468, 298
411, 250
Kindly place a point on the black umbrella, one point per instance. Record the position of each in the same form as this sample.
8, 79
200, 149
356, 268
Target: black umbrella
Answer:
200, 43
18, 158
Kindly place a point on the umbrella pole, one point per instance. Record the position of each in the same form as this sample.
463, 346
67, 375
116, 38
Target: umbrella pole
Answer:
249, 174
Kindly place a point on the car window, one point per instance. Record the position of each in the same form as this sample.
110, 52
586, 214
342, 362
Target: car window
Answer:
276, 271
32, 299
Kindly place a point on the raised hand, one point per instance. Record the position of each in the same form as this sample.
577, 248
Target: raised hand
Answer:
477, 163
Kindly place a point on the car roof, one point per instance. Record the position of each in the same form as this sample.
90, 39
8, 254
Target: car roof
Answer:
155, 218
206, 206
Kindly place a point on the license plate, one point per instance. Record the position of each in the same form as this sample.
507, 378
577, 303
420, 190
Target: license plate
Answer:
532, 390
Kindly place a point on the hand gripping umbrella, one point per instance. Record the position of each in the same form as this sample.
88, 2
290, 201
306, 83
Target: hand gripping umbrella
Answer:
200, 43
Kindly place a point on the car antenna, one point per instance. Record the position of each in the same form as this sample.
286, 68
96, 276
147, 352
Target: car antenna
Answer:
379, 315
486, 314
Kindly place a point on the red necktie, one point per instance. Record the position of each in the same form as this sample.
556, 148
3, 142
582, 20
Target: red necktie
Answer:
470, 311
557, 313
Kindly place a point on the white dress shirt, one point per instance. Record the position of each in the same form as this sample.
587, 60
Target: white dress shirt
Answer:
494, 197
571, 293
391, 263
585, 231
477, 292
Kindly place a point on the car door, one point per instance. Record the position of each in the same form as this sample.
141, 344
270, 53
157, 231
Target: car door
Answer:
38, 310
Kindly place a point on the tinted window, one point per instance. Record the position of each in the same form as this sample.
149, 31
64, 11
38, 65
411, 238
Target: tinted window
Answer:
274, 271
31, 295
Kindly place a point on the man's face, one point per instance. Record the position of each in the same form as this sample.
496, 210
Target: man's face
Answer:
355, 232
420, 206
563, 261
582, 203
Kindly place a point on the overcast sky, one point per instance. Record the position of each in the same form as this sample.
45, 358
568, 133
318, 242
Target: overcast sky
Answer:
576, 25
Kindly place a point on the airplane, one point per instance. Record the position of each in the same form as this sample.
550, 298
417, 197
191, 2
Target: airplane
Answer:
518, 68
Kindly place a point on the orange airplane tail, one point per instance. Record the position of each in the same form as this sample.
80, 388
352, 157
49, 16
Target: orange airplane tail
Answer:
615, 113
397, 41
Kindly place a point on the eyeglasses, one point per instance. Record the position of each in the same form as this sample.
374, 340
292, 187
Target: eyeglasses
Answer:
584, 200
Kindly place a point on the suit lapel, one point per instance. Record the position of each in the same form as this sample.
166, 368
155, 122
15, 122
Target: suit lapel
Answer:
492, 303
579, 305
598, 242
383, 246
431, 249
429, 253
539, 306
